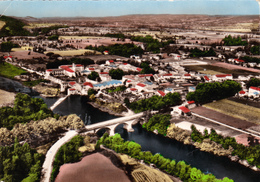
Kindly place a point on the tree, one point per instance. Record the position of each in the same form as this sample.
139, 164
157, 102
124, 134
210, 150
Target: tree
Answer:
116, 73
93, 75
7, 46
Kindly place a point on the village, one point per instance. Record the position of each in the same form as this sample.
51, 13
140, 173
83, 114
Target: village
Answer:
142, 73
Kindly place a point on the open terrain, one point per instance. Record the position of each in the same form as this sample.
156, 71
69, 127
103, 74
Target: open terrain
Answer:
2, 24
6, 98
72, 52
236, 110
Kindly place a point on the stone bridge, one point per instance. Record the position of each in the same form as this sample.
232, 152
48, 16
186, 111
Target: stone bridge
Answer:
111, 125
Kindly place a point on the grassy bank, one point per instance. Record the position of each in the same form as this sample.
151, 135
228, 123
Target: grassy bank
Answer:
10, 71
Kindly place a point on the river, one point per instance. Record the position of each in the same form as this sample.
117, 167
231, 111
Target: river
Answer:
206, 162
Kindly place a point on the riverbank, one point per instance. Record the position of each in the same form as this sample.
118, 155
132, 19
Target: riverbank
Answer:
106, 109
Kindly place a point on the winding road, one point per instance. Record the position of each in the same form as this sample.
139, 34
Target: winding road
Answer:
47, 165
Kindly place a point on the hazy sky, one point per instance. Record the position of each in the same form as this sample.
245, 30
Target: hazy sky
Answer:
98, 8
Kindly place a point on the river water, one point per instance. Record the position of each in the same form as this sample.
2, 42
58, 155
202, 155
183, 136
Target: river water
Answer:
206, 162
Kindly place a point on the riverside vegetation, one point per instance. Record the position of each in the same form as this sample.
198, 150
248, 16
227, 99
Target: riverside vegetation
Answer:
182, 170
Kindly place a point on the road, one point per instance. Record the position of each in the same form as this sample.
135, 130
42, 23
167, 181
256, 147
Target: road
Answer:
47, 165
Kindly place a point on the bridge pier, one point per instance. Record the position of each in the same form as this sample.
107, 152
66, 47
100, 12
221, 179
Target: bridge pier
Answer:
128, 127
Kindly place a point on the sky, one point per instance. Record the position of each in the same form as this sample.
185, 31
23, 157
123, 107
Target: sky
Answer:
101, 8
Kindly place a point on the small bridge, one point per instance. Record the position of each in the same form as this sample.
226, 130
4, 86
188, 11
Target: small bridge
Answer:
113, 123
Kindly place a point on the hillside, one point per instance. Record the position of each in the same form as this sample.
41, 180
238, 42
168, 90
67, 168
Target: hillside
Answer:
162, 20
12, 27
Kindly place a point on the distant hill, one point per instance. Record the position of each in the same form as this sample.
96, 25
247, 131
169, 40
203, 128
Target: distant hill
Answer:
13, 27
159, 21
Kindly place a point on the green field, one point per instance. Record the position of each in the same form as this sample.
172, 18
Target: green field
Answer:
236, 110
10, 71
2, 24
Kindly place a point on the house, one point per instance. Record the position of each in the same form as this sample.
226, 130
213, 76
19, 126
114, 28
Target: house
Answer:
72, 91
180, 110
254, 91
104, 76
191, 104
141, 86
108, 84
242, 93
221, 77
160, 93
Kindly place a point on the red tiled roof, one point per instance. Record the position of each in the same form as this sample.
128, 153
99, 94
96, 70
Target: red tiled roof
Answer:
128, 81
239, 60
103, 73
72, 89
79, 65
133, 89
7, 57
106, 51
91, 68
161, 93
125, 63
255, 88
138, 69
187, 74
72, 83
66, 68
111, 61
168, 74
242, 92
141, 85
145, 75
191, 102
207, 78
223, 75
184, 109
49, 70
88, 84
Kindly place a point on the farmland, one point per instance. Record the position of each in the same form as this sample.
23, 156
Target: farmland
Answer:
211, 69
2, 24
10, 71
39, 25
72, 52
231, 108
79, 37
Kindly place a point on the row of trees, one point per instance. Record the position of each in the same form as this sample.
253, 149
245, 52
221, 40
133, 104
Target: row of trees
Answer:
155, 102
184, 171
151, 44
198, 53
57, 63
234, 41
125, 50
68, 153
249, 59
25, 109
159, 122
20, 163
251, 153
207, 92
